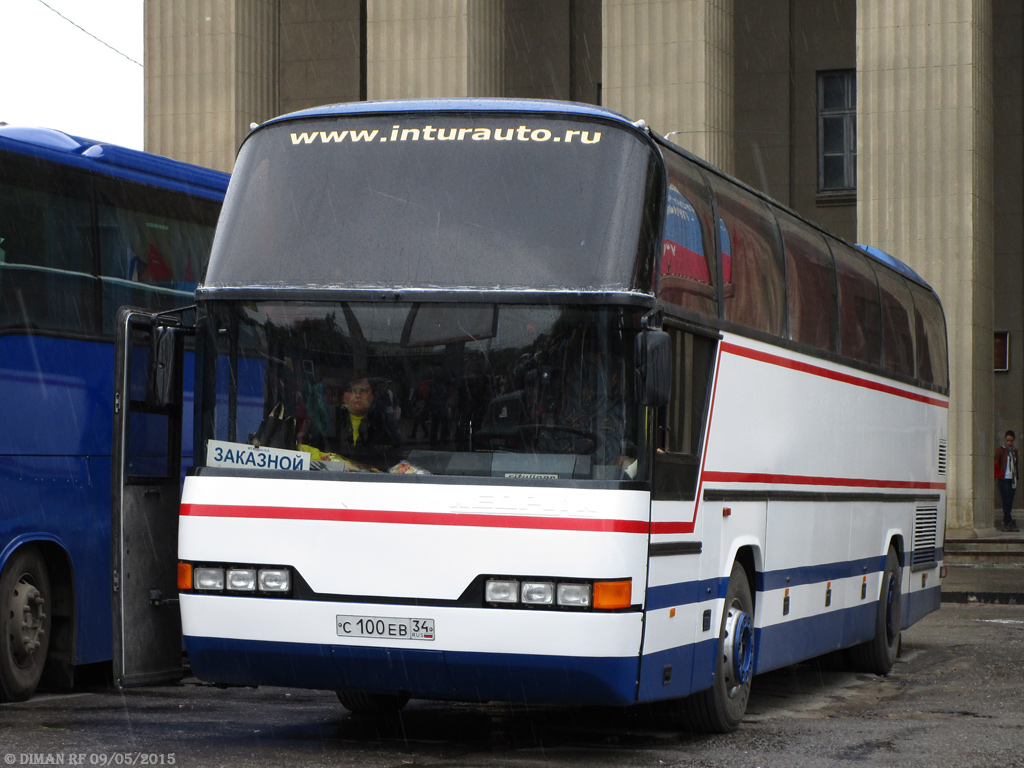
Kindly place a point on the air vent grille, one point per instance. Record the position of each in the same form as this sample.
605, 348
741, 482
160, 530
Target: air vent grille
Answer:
926, 532
942, 456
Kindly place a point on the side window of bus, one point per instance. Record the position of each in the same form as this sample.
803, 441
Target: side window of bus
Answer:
860, 321
811, 285
681, 423
688, 270
153, 247
930, 328
755, 290
45, 249
897, 328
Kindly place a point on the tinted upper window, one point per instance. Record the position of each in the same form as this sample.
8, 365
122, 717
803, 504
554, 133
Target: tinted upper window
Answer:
689, 270
930, 328
811, 282
153, 246
860, 320
897, 322
755, 290
444, 201
46, 274
62, 228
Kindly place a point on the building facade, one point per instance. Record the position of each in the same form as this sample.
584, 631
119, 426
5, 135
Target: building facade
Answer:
894, 124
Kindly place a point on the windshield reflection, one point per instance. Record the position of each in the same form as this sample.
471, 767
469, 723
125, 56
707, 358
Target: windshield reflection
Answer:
538, 391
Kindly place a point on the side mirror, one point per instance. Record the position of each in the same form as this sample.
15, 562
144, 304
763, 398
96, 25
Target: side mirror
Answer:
161, 379
653, 367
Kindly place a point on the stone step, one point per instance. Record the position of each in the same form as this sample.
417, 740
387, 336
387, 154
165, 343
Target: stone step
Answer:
995, 550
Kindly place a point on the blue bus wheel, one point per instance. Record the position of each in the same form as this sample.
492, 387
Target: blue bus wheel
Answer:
24, 624
720, 708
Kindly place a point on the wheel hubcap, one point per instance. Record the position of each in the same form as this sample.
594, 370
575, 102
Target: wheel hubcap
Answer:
27, 617
739, 649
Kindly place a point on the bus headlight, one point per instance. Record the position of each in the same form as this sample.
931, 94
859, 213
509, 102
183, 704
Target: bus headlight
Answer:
574, 595
208, 578
275, 580
537, 593
501, 591
241, 579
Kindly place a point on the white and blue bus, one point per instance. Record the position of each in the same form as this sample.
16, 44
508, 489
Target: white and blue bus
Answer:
85, 227
629, 430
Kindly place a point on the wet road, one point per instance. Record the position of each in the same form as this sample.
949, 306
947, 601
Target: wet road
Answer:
956, 698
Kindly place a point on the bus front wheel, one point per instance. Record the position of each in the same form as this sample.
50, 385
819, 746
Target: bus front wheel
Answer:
879, 654
721, 708
24, 624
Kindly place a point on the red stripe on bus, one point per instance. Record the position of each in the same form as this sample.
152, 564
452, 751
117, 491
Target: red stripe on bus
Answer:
832, 482
416, 518
857, 381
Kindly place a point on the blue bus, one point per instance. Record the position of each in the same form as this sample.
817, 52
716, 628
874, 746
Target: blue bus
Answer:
85, 227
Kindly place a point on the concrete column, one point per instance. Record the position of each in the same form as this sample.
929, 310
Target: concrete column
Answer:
670, 62
434, 48
211, 70
925, 194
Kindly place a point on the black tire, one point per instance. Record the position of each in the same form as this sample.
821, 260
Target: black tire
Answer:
24, 624
721, 708
375, 704
879, 654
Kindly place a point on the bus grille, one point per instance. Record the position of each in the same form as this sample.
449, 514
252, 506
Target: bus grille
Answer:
926, 525
942, 457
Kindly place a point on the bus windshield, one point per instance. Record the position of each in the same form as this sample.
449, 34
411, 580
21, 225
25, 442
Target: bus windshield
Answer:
485, 390
445, 201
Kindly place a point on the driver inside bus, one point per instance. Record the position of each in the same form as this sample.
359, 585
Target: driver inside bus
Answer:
366, 432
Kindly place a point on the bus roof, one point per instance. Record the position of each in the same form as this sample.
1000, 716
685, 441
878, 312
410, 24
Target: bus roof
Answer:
495, 105
113, 160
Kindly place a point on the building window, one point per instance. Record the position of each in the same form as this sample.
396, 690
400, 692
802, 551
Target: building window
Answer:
837, 130
1002, 356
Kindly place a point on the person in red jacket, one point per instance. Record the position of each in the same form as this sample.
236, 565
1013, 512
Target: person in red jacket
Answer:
1006, 478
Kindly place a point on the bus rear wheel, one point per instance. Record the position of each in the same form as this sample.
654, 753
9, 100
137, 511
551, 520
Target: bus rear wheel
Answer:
721, 708
24, 624
879, 654
375, 704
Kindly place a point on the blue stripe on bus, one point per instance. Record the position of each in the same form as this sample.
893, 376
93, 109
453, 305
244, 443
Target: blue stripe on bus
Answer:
685, 593
779, 645
470, 676
816, 574
692, 669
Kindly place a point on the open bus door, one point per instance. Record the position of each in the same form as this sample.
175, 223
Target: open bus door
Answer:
146, 494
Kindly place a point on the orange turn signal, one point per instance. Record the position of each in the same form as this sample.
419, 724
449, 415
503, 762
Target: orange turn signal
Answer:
609, 595
184, 575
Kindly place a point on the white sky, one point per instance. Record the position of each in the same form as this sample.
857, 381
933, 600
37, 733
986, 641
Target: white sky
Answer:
54, 74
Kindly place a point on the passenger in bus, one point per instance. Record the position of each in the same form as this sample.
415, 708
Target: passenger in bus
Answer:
1006, 477
366, 433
